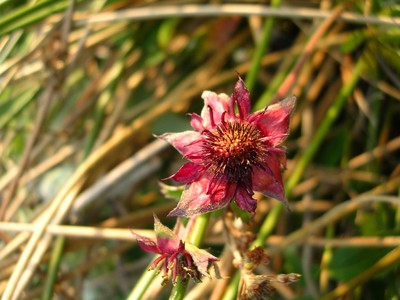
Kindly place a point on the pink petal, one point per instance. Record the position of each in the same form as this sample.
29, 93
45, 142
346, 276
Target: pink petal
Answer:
147, 244
188, 173
196, 122
278, 154
241, 96
188, 143
245, 200
216, 185
167, 240
269, 182
194, 199
215, 104
274, 121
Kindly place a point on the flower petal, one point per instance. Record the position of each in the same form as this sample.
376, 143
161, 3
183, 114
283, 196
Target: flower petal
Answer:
188, 143
196, 122
245, 200
215, 104
274, 121
269, 182
147, 244
188, 173
279, 154
194, 199
167, 240
241, 96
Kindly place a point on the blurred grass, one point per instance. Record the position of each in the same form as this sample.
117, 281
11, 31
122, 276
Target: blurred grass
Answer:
104, 87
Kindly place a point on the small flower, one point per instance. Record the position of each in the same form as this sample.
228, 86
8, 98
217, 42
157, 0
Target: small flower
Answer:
178, 259
255, 287
231, 153
255, 257
259, 287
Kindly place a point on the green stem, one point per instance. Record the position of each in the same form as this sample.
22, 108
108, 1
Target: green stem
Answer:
196, 237
53, 268
199, 229
260, 50
179, 290
232, 289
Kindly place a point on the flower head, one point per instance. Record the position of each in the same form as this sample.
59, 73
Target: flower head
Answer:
258, 287
231, 153
177, 258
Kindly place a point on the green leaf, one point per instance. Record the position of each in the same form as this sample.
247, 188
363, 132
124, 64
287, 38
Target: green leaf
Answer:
331, 154
27, 15
11, 109
347, 263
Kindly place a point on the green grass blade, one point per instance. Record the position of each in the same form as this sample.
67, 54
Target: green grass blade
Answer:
27, 15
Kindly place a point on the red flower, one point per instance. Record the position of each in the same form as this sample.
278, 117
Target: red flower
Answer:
177, 258
231, 153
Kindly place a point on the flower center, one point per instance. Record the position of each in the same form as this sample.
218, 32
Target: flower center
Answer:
232, 149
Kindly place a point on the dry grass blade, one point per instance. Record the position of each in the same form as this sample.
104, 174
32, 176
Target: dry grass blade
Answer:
169, 11
44, 104
79, 231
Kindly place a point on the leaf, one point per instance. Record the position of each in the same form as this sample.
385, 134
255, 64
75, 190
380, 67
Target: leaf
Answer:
347, 263
30, 14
